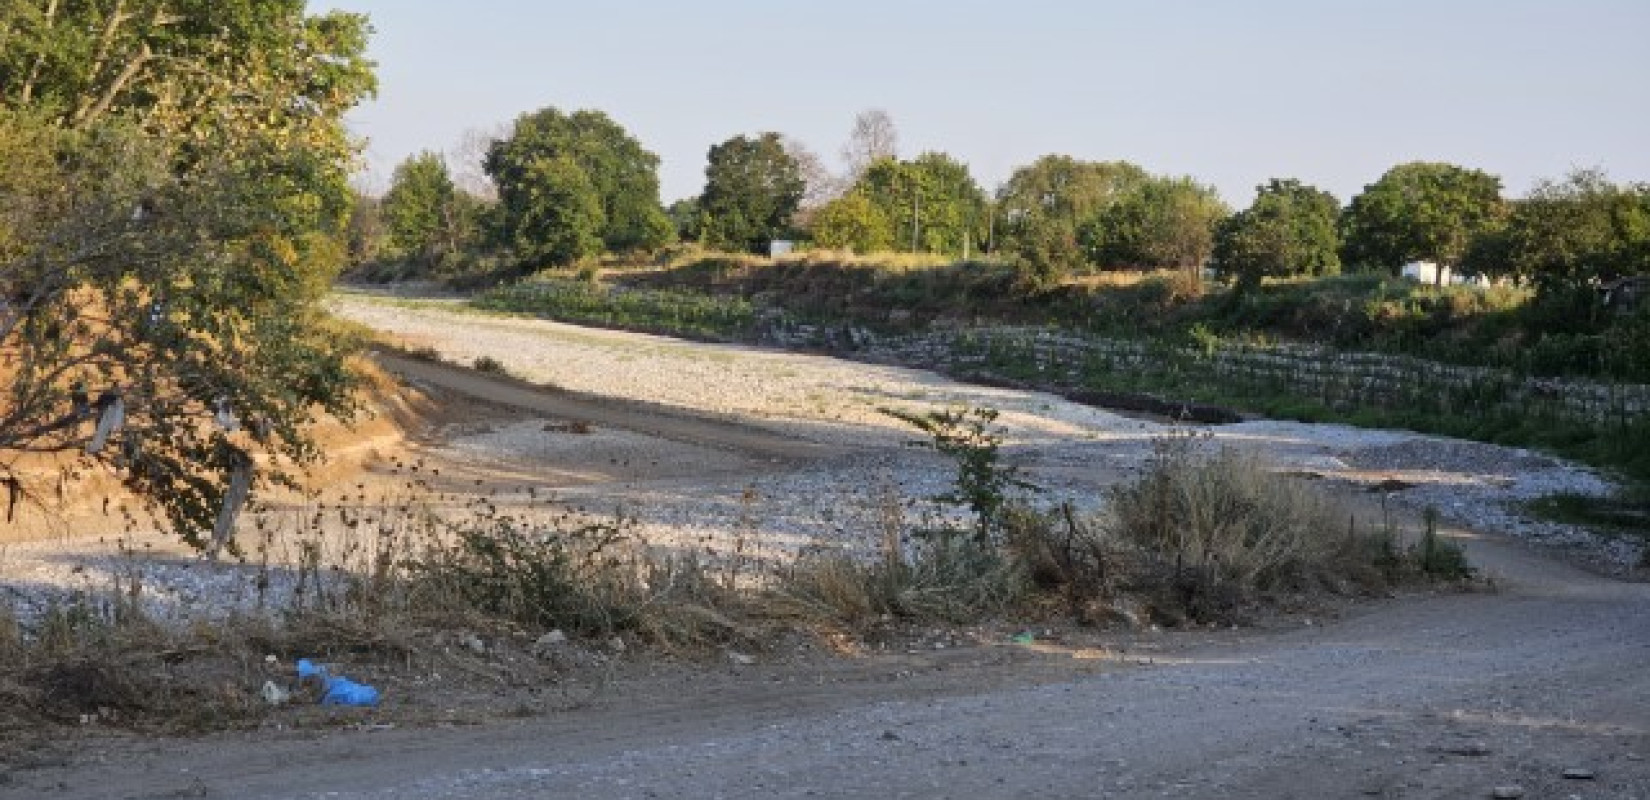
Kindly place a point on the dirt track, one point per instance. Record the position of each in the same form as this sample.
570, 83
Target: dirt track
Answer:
1424, 697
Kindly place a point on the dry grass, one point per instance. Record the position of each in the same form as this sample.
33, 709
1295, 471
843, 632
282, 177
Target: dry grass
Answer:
1205, 536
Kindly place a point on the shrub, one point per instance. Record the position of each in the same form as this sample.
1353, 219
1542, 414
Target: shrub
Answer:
562, 572
490, 365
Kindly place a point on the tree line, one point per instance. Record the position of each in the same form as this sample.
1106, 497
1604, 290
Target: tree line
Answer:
575, 185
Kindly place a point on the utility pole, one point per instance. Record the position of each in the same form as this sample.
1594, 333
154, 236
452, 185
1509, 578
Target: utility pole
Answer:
916, 215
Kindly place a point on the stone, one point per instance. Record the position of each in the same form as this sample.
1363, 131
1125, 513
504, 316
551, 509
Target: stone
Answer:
1507, 792
552, 638
741, 659
1469, 749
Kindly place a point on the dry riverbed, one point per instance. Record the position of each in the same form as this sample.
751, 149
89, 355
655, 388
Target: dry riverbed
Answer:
1537, 687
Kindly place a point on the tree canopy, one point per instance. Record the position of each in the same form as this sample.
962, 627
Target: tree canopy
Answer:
1161, 222
1420, 211
173, 207
1060, 193
852, 222
426, 215
932, 202
617, 171
752, 187
1288, 230
1569, 234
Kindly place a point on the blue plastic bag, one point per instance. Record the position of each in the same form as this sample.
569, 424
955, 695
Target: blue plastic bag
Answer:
338, 691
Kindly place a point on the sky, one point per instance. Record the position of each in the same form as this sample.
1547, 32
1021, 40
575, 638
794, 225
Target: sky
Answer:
1331, 92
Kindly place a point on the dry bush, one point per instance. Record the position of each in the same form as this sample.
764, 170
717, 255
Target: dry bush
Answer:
1202, 535
1228, 515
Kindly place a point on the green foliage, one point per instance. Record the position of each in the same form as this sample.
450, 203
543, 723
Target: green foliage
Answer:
1045, 250
688, 219
1572, 234
932, 203
560, 573
852, 222
1160, 222
1288, 230
1420, 211
1055, 195
562, 221
426, 217
174, 208
983, 482
581, 301
752, 187
580, 171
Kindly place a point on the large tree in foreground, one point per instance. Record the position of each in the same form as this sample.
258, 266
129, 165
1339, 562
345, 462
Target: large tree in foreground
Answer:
752, 187
1288, 230
1420, 211
534, 167
171, 210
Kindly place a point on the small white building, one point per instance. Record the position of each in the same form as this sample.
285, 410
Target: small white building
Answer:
1427, 272
780, 247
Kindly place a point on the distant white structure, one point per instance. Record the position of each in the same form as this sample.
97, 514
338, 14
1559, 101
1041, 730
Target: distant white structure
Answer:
780, 247
1428, 272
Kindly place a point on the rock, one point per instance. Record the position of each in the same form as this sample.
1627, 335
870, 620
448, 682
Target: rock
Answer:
740, 659
1507, 792
890, 736
1469, 749
564, 655
473, 643
616, 644
1579, 774
275, 695
550, 639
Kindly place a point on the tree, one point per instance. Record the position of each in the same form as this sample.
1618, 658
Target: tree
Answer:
466, 160
1055, 195
423, 210
1162, 222
873, 139
1288, 230
822, 186
623, 176
172, 210
752, 187
687, 219
932, 202
1420, 211
1571, 234
562, 221
852, 222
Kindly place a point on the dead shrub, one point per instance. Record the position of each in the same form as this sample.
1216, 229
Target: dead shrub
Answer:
1202, 535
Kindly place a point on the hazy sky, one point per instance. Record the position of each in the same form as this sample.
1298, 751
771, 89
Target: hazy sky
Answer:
1332, 92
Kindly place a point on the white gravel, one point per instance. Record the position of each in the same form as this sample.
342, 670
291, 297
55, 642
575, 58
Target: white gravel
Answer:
840, 402
685, 495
